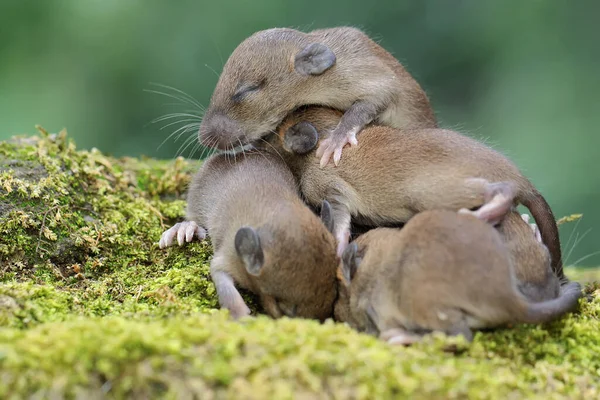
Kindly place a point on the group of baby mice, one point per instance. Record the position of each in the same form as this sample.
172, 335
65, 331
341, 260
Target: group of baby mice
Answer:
411, 229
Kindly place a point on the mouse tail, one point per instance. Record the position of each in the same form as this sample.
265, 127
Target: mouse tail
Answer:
544, 218
546, 311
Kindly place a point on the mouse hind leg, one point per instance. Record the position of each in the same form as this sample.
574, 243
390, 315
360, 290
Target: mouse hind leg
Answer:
400, 336
489, 201
499, 199
341, 225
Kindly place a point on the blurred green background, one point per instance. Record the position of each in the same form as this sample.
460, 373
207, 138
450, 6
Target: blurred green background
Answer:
521, 75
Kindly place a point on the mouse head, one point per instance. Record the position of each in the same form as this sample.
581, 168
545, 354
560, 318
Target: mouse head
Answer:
292, 265
267, 76
369, 278
354, 305
530, 256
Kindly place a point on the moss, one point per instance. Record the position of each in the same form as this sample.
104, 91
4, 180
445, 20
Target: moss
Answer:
89, 306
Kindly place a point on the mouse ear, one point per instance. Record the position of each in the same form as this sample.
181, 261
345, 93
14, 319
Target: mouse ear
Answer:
327, 216
350, 262
301, 138
247, 246
314, 59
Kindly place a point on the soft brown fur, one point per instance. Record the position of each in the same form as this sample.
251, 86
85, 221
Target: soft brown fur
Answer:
257, 190
365, 79
530, 259
443, 271
392, 175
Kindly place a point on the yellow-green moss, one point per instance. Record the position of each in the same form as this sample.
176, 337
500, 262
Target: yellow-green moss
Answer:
89, 306
259, 358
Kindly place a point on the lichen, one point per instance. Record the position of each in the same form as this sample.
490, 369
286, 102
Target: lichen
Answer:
90, 306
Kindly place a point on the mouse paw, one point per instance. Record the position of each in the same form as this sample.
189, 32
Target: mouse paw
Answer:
334, 144
400, 337
184, 231
239, 310
534, 227
466, 211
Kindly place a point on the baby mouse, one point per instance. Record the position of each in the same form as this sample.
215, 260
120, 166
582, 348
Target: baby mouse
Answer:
274, 71
265, 238
392, 175
444, 271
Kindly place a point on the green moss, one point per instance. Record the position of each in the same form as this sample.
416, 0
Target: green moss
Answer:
261, 358
89, 306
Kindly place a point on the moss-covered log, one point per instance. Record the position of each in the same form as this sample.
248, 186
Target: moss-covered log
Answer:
89, 306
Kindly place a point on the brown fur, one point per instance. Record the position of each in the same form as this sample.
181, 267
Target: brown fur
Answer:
443, 271
392, 175
363, 71
530, 259
258, 190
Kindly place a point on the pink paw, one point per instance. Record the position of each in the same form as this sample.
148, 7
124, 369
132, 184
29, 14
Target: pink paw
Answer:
400, 337
239, 310
334, 145
184, 231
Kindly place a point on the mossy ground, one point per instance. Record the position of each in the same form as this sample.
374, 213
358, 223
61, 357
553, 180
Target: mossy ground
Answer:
90, 307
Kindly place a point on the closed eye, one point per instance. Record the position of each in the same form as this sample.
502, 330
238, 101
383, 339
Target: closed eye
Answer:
245, 90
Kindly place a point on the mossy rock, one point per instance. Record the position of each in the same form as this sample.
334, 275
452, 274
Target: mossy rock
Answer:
90, 307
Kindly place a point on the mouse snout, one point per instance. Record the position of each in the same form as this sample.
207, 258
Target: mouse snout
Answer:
220, 131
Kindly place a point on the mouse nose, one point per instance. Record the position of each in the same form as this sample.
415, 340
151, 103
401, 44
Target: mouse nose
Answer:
218, 130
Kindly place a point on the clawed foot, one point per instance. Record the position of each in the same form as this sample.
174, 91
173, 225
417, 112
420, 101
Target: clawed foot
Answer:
334, 145
184, 231
534, 227
239, 310
499, 198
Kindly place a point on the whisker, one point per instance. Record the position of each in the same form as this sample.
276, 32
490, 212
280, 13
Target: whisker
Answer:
274, 149
242, 147
173, 97
187, 143
181, 147
189, 98
194, 149
204, 148
210, 150
179, 122
212, 39
209, 67
188, 129
176, 115
181, 129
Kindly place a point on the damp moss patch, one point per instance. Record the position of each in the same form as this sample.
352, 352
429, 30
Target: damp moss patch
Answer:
91, 307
